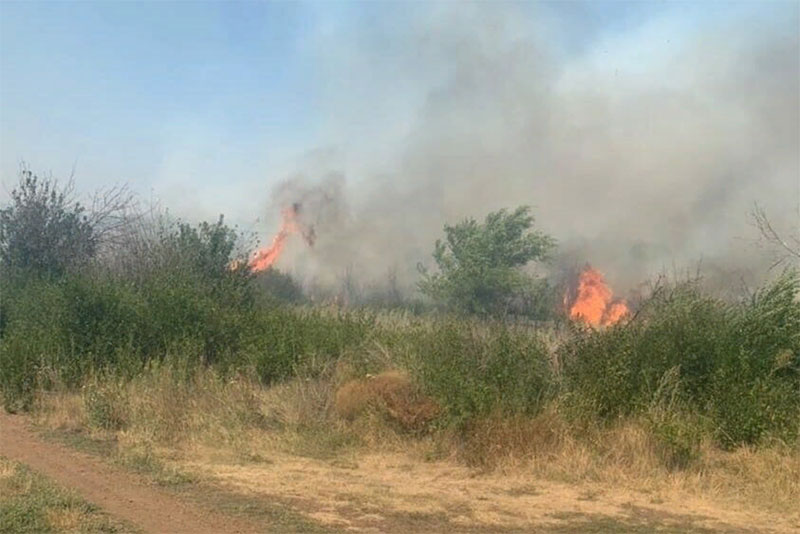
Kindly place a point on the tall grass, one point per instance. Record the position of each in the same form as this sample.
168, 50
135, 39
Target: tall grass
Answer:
735, 366
694, 366
473, 370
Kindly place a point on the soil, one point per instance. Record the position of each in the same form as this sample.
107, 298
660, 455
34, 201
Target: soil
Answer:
119, 493
374, 493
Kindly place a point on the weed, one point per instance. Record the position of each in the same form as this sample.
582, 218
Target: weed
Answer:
31, 503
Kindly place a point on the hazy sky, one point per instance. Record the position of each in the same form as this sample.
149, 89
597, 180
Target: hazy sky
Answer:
206, 106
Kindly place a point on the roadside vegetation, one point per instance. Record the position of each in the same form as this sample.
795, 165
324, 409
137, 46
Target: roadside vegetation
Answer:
30, 503
152, 341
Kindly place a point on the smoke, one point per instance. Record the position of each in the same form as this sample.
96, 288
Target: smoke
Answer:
642, 151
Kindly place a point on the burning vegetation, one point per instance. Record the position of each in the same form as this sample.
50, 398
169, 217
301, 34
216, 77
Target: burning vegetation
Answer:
695, 377
589, 300
291, 224
594, 302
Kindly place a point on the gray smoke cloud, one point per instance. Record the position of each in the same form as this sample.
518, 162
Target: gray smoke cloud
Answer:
642, 154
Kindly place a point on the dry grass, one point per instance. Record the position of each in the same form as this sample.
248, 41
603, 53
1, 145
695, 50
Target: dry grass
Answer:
627, 455
341, 446
65, 520
392, 394
384, 490
30, 502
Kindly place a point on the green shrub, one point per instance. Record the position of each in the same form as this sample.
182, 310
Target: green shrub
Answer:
678, 438
33, 338
473, 371
275, 286
738, 363
480, 264
102, 315
600, 372
44, 231
282, 338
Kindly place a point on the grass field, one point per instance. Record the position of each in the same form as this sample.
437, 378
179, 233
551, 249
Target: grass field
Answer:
692, 403
296, 456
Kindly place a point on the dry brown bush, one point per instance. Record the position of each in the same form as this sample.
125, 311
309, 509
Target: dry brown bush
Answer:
391, 393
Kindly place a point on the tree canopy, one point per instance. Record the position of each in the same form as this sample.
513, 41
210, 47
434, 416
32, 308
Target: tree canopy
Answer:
480, 264
44, 230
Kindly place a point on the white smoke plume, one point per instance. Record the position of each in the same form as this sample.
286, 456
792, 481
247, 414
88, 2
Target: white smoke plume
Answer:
645, 153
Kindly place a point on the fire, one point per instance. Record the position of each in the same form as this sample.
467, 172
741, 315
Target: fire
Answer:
595, 303
264, 258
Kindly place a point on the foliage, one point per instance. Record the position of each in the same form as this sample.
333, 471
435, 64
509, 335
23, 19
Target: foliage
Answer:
278, 286
187, 297
695, 367
738, 363
472, 373
282, 339
31, 503
205, 249
479, 264
44, 231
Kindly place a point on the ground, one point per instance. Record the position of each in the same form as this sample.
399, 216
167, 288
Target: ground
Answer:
362, 493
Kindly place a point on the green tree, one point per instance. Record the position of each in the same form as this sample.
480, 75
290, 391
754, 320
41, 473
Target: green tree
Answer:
44, 230
207, 248
480, 264
203, 256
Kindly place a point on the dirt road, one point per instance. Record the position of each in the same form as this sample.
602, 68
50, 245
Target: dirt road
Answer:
378, 493
121, 494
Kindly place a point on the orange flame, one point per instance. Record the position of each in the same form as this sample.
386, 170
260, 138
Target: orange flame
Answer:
595, 303
267, 256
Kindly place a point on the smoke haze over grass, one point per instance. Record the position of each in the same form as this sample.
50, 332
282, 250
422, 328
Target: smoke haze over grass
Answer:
641, 134
645, 152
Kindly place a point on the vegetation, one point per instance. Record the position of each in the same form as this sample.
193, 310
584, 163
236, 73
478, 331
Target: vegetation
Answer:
163, 328
731, 367
279, 287
480, 264
43, 231
30, 503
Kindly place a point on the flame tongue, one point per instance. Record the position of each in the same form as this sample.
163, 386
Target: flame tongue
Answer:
265, 257
614, 312
595, 303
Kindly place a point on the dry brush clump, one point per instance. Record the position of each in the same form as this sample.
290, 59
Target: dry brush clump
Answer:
165, 405
390, 393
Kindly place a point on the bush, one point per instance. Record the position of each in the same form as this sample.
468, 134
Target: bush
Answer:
104, 319
44, 231
473, 373
33, 338
480, 264
678, 440
278, 287
755, 386
737, 363
282, 339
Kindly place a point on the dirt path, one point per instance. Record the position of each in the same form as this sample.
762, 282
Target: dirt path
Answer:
378, 493
121, 494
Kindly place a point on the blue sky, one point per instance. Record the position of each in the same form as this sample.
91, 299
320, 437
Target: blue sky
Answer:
110, 87
205, 104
